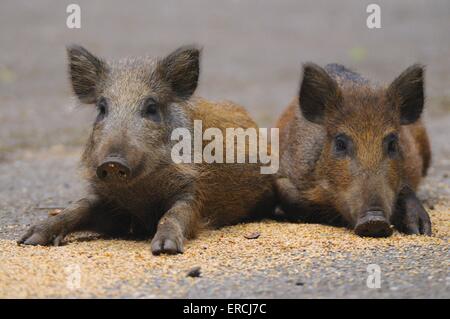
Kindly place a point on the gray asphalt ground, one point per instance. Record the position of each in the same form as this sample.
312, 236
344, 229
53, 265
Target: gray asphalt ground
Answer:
252, 55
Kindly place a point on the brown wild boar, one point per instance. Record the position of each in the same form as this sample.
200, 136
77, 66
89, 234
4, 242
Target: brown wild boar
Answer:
354, 154
135, 188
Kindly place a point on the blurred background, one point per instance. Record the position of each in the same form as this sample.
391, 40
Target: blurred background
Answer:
252, 55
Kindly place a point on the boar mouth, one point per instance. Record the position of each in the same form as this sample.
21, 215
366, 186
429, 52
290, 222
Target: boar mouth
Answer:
373, 223
116, 169
113, 168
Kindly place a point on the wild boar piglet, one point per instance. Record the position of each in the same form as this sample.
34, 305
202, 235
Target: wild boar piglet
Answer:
353, 153
134, 185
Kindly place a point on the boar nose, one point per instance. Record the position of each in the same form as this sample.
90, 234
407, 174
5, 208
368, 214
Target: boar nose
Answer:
373, 223
113, 168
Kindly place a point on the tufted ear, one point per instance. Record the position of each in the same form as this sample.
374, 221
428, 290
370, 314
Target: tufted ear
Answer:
407, 93
181, 69
86, 72
318, 91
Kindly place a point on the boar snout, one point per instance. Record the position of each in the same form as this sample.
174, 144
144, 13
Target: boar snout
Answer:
373, 223
114, 168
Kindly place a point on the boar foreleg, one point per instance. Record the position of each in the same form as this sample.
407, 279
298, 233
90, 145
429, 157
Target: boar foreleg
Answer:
177, 224
410, 216
84, 214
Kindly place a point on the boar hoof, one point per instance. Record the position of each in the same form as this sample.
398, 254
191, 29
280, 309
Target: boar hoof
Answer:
411, 217
167, 244
373, 224
42, 234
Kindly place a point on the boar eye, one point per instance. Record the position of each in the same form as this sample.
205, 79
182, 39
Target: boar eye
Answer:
150, 110
102, 107
391, 145
341, 144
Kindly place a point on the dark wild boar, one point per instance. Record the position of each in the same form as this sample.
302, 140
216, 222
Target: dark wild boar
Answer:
354, 154
135, 188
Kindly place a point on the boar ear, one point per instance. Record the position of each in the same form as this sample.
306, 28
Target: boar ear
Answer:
317, 92
407, 93
86, 71
181, 70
